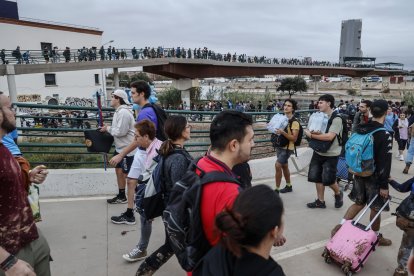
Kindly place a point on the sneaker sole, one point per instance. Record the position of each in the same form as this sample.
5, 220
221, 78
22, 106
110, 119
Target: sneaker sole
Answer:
124, 222
118, 202
128, 259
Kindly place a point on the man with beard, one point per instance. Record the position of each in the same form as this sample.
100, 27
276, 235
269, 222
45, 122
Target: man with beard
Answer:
231, 135
23, 249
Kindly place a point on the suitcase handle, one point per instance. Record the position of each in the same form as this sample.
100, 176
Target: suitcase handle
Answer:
367, 208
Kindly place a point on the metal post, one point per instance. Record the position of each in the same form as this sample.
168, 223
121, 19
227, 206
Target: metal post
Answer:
116, 78
11, 82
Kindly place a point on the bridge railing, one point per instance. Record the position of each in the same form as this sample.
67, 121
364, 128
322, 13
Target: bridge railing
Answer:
53, 134
28, 56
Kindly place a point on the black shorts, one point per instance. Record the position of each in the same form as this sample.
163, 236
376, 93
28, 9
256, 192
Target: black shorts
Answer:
322, 169
402, 144
125, 163
364, 190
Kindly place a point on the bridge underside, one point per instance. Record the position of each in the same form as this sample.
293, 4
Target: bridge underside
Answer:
193, 71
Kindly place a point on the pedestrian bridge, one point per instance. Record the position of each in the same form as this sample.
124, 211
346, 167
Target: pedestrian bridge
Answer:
177, 68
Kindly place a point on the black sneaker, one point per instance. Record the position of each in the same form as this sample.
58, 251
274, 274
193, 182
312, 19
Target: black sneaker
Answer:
277, 191
316, 204
339, 200
117, 199
123, 219
286, 189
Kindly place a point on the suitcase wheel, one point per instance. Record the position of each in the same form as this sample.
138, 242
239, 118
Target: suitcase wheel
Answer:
326, 256
346, 268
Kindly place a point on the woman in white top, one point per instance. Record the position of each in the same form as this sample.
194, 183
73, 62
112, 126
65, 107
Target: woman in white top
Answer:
403, 131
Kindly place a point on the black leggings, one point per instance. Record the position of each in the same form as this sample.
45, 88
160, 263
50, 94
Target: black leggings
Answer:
161, 255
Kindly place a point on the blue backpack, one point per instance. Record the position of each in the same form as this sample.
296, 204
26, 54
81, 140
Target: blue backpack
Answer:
359, 153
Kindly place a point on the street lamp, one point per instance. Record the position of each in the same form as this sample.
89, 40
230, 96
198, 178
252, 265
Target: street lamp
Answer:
104, 78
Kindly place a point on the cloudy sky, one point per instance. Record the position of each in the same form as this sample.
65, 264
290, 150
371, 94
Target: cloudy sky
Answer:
273, 28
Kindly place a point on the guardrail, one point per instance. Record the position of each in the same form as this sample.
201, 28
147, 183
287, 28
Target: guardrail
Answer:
52, 135
55, 55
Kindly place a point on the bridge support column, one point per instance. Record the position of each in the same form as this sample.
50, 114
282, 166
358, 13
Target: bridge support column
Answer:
356, 83
116, 78
385, 83
316, 79
11, 82
184, 86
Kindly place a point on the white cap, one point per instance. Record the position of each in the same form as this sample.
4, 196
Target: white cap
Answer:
122, 94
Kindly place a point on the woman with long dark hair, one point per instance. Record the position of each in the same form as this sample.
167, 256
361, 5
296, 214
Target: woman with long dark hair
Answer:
248, 231
176, 162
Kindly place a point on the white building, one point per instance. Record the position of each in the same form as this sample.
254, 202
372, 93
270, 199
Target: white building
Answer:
350, 39
34, 35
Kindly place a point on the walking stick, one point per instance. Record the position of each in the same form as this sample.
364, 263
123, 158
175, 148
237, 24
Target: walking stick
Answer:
98, 98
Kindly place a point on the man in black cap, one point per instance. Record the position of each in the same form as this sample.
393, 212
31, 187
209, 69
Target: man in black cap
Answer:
365, 188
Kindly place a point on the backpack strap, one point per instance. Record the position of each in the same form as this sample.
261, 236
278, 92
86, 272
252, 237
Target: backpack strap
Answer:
334, 115
291, 132
217, 176
376, 130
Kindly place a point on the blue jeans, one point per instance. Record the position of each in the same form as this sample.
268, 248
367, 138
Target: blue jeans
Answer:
410, 153
146, 229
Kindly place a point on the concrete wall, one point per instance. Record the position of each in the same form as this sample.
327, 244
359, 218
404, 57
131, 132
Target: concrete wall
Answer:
96, 182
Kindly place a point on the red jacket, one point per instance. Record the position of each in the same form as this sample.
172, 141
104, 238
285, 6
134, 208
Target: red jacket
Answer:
215, 197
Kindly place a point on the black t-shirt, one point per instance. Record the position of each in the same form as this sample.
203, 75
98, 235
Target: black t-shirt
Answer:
220, 262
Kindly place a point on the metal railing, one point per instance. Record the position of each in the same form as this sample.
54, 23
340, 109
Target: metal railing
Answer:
28, 56
52, 135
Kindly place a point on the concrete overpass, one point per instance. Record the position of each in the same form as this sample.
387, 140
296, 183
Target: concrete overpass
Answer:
186, 70
178, 68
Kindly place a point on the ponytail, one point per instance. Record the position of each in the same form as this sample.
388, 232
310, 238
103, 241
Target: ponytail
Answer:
231, 227
167, 147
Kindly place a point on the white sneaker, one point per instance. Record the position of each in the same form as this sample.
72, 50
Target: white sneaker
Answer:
401, 158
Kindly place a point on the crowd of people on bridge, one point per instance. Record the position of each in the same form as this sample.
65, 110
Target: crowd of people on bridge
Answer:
49, 54
230, 226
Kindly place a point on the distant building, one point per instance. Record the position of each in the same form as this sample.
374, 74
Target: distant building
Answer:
34, 35
350, 39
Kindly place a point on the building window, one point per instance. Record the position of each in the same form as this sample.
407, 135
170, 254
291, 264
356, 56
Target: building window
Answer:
97, 79
50, 79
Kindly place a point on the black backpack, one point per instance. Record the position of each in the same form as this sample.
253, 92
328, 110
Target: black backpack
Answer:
343, 138
182, 218
151, 200
161, 118
280, 141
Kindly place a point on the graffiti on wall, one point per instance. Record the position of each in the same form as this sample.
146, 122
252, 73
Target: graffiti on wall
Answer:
29, 98
83, 102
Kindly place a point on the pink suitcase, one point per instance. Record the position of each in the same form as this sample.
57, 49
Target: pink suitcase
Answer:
353, 243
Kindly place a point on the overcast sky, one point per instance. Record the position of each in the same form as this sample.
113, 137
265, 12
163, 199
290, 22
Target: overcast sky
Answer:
273, 28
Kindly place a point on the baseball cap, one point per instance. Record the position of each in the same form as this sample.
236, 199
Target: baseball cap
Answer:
122, 94
381, 106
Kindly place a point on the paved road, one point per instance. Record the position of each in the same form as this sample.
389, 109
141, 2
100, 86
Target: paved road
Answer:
84, 241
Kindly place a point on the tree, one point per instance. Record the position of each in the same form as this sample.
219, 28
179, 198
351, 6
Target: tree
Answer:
293, 85
140, 76
170, 96
195, 94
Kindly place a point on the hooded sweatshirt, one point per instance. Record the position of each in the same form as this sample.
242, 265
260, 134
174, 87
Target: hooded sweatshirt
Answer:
122, 128
382, 152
